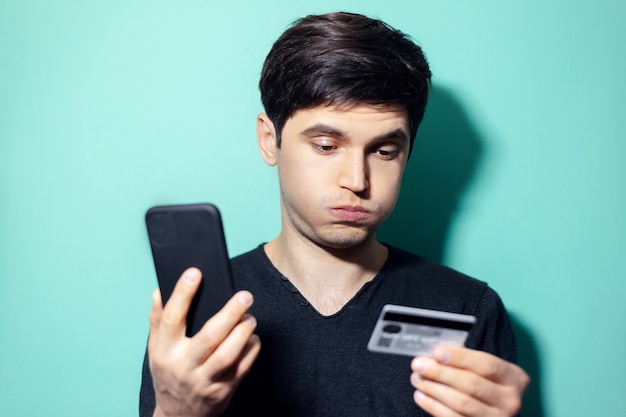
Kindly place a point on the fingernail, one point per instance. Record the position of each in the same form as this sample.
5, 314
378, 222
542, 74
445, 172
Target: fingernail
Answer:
415, 378
442, 355
245, 298
191, 276
418, 395
419, 365
251, 321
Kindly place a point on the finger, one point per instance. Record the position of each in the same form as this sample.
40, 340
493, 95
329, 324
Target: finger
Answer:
246, 359
443, 400
173, 318
219, 326
482, 363
230, 349
225, 386
470, 384
249, 355
432, 406
155, 318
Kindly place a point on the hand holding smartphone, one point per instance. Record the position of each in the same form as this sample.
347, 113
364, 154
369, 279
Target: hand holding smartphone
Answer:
191, 235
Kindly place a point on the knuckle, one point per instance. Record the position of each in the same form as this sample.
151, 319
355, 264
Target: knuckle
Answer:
169, 318
512, 403
214, 394
207, 338
157, 364
186, 382
212, 391
463, 403
222, 361
515, 406
491, 369
475, 387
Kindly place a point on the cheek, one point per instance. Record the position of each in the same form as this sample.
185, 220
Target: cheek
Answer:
386, 185
301, 172
297, 186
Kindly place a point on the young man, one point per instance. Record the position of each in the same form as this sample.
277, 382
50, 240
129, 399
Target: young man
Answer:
344, 95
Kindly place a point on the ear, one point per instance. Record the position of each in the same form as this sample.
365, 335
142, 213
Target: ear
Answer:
266, 139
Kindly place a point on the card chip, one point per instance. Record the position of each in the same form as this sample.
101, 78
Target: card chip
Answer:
385, 341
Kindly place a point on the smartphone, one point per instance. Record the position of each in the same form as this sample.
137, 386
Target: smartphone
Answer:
182, 236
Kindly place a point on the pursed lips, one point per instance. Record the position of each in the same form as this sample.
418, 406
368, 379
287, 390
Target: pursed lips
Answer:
350, 213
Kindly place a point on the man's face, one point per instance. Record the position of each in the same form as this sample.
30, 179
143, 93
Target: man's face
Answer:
340, 170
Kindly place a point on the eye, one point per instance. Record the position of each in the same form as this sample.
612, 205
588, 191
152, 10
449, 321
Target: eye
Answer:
323, 148
387, 152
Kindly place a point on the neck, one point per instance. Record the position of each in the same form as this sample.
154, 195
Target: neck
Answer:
327, 277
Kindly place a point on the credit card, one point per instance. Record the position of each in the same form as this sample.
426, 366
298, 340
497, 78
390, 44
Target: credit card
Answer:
414, 331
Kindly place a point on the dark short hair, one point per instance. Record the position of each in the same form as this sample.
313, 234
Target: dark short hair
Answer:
342, 58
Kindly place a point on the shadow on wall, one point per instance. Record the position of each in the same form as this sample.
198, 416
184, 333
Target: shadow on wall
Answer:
443, 162
530, 361
445, 158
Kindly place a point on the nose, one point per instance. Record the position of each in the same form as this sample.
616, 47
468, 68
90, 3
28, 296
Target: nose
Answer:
354, 172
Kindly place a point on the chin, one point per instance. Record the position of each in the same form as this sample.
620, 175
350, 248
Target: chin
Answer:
340, 240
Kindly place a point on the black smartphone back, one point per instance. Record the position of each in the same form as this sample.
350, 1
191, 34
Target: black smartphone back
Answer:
182, 236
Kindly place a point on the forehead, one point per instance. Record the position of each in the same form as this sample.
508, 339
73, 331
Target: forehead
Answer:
351, 117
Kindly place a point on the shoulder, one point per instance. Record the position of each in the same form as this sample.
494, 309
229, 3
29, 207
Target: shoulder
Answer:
405, 262
432, 282
251, 268
248, 259
416, 281
427, 284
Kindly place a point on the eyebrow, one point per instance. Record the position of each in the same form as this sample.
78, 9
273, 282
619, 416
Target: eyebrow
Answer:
322, 128
325, 129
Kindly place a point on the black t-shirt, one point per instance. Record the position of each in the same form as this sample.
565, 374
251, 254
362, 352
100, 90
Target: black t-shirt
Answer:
314, 365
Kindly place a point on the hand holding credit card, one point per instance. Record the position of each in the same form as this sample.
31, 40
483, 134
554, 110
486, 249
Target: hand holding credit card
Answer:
416, 331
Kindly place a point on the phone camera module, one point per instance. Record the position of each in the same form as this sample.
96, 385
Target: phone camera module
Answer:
162, 229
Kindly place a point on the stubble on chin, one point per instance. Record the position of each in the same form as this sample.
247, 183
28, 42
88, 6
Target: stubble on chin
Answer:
342, 237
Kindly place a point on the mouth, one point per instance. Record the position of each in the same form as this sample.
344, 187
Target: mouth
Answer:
352, 214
